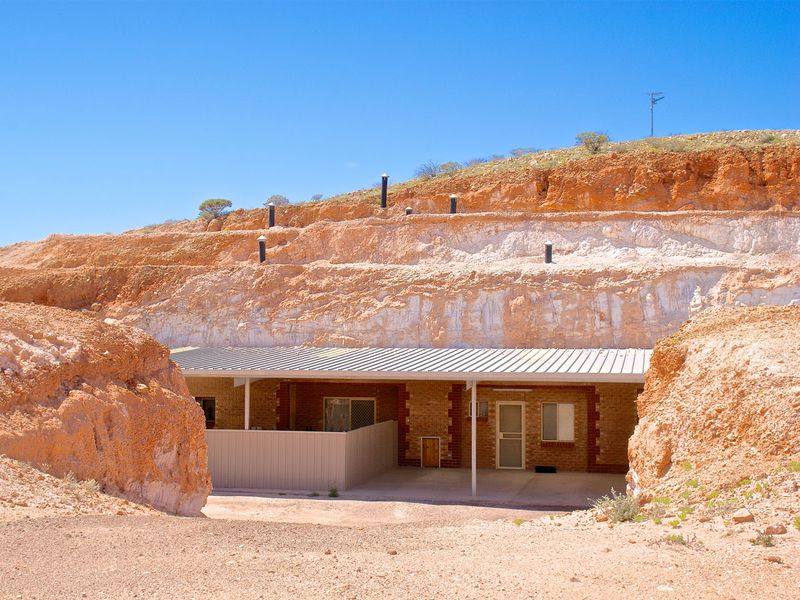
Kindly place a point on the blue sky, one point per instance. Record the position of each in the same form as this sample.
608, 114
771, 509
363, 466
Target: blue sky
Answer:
115, 115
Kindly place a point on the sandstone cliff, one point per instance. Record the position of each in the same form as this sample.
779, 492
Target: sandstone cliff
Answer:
100, 402
643, 239
721, 405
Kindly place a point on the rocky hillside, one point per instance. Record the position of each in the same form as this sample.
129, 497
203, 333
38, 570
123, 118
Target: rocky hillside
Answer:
645, 234
84, 400
721, 410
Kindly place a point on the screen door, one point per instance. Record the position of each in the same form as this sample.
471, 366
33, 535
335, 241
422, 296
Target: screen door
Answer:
510, 436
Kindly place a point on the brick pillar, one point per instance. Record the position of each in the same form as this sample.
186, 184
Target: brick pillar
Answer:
455, 429
283, 416
403, 427
593, 434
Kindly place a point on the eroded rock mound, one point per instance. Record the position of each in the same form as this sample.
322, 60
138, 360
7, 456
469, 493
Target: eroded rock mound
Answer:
100, 402
721, 403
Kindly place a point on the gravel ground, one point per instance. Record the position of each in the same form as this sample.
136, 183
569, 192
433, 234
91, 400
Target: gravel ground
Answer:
472, 553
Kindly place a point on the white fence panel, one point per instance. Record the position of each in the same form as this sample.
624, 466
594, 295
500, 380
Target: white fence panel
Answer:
276, 460
300, 460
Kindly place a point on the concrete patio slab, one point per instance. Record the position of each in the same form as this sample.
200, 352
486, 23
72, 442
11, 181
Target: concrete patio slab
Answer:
502, 488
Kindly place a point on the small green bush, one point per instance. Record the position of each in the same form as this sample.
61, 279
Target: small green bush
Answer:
675, 538
449, 167
794, 466
518, 521
618, 507
214, 208
796, 523
693, 483
593, 141
686, 466
333, 492
768, 138
762, 539
675, 523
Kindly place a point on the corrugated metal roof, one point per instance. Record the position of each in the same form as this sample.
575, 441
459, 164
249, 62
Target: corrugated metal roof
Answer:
481, 364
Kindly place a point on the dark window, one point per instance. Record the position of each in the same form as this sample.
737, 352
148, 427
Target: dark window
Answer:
209, 407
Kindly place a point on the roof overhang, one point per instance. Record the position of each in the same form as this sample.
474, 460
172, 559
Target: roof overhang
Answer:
513, 365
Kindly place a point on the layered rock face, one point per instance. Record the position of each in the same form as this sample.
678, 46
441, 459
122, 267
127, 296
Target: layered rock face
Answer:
345, 272
101, 402
721, 403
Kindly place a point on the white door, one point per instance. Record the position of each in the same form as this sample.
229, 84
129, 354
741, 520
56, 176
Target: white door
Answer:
510, 435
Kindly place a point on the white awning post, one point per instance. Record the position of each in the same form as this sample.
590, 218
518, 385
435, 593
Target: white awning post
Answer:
472, 385
247, 403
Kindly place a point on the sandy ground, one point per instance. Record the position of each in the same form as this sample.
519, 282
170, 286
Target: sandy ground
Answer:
347, 549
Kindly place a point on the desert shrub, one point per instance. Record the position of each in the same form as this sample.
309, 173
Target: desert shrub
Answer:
618, 507
762, 539
593, 141
518, 521
69, 479
668, 145
428, 170
214, 208
522, 151
333, 492
475, 161
90, 485
492, 157
449, 167
316, 197
277, 200
680, 540
796, 523
794, 466
768, 138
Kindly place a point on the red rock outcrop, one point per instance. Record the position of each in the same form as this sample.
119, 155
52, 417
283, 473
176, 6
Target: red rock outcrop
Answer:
101, 402
344, 272
721, 403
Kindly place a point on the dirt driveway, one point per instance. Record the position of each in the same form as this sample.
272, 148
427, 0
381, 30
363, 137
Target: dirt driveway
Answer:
379, 550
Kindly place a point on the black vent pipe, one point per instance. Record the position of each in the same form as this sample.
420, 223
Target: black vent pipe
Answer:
262, 248
384, 189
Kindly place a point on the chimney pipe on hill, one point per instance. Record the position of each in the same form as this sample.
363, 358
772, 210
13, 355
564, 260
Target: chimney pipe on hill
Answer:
409, 210
271, 208
453, 202
384, 189
262, 248
548, 252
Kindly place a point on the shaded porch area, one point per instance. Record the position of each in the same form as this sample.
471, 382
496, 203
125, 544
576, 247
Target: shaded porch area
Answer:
501, 488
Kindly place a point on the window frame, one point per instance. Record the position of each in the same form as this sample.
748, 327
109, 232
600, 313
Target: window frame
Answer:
483, 409
212, 423
349, 399
557, 438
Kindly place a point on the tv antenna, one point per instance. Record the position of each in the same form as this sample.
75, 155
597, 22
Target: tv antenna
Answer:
653, 100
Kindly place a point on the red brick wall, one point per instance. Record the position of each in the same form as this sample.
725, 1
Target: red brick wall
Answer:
605, 416
229, 405
428, 406
309, 400
615, 420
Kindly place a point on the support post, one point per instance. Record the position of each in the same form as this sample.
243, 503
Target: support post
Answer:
453, 204
247, 403
271, 217
473, 386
